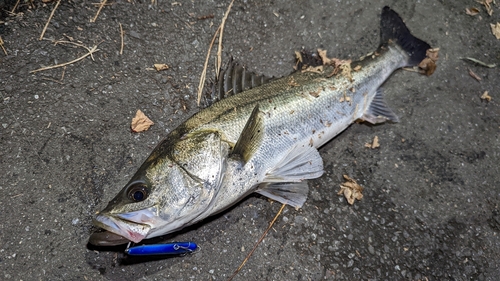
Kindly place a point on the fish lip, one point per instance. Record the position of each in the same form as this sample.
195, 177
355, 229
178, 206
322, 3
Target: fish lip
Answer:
128, 229
107, 238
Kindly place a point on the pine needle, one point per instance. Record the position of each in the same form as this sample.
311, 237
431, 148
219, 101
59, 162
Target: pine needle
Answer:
257, 244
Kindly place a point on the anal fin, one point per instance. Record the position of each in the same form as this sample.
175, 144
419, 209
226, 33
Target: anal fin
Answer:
378, 111
290, 193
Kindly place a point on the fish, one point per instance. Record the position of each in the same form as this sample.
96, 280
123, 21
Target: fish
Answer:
263, 140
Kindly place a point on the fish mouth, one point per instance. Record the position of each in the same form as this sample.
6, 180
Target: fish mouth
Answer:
121, 228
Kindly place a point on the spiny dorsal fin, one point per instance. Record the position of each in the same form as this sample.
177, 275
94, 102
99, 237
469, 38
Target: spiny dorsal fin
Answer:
379, 111
251, 136
234, 79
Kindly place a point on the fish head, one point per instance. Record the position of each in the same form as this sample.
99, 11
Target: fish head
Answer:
169, 191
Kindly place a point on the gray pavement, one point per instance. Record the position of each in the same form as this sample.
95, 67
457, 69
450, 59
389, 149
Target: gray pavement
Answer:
432, 190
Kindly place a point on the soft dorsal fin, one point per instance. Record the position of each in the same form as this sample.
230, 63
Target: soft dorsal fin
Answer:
378, 111
251, 136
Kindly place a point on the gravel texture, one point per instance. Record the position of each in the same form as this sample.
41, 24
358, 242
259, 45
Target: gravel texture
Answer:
432, 190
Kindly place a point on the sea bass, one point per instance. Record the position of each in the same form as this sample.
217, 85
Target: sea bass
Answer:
261, 140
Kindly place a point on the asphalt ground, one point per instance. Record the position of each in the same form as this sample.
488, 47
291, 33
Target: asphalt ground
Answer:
430, 209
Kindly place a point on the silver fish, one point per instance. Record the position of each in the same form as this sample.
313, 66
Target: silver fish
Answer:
262, 140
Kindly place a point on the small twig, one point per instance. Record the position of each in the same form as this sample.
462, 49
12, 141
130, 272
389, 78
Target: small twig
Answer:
15, 7
204, 72
1, 45
48, 21
413, 69
98, 11
62, 74
219, 50
121, 36
474, 75
219, 32
479, 62
257, 244
53, 80
76, 44
93, 50
70, 42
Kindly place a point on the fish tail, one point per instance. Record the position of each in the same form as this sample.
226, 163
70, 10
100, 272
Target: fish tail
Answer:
392, 28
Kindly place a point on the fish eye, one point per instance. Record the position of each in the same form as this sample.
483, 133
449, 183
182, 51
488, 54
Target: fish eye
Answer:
138, 192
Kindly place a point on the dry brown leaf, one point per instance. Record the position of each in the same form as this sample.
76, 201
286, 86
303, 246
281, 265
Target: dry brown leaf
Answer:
487, 6
292, 82
322, 55
351, 190
314, 69
161, 66
428, 65
486, 96
298, 56
495, 29
433, 54
140, 122
472, 11
374, 144
346, 70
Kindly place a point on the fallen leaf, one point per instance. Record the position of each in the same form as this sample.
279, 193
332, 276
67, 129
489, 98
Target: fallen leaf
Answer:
346, 70
314, 69
140, 122
374, 144
292, 82
472, 11
486, 96
298, 56
351, 190
433, 54
428, 65
487, 6
161, 66
322, 55
495, 29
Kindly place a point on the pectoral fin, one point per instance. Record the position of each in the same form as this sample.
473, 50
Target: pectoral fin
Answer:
251, 137
301, 162
286, 183
379, 112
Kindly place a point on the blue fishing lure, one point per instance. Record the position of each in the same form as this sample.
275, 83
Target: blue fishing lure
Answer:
175, 248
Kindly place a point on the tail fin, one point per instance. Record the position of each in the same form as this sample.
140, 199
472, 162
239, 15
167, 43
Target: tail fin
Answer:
393, 28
